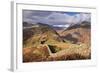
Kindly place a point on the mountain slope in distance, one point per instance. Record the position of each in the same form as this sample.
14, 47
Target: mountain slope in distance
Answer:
79, 33
40, 34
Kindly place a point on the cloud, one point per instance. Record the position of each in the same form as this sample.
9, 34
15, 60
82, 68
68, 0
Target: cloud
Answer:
55, 18
86, 17
58, 17
63, 18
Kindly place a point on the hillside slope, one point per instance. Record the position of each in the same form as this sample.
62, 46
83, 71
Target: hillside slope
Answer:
78, 33
42, 43
40, 34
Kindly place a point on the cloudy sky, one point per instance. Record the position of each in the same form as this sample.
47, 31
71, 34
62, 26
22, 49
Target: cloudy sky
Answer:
54, 18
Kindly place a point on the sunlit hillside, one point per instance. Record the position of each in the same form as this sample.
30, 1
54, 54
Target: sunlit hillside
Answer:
42, 42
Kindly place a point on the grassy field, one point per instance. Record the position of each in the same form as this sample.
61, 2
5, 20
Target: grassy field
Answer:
56, 52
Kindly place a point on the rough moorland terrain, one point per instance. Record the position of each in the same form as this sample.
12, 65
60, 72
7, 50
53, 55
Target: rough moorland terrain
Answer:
42, 42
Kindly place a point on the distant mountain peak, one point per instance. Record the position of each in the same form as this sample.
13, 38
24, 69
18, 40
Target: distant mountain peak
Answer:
83, 24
